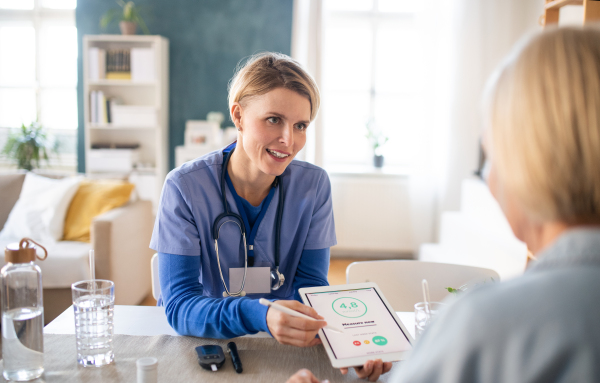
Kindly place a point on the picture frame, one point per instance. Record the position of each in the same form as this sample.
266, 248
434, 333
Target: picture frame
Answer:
202, 133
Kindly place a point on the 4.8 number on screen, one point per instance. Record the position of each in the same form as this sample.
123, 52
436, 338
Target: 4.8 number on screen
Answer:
349, 307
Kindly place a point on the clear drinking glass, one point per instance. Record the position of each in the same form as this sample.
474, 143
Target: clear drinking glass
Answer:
424, 314
93, 302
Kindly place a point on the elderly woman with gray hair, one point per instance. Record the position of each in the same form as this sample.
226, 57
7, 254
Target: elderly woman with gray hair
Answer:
543, 139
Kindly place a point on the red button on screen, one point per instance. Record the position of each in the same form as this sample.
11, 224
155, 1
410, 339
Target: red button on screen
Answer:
356, 343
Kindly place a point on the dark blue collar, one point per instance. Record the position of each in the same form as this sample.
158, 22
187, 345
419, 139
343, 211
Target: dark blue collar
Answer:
242, 212
229, 147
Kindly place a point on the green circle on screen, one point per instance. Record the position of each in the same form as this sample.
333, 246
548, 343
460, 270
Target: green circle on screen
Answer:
379, 340
349, 307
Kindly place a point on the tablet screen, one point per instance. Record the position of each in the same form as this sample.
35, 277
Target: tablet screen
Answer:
369, 328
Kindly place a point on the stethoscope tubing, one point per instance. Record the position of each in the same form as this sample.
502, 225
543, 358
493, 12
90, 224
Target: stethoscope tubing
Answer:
239, 221
240, 292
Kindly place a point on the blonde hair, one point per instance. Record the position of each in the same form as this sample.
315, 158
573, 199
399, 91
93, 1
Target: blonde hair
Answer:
544, 114
264, 72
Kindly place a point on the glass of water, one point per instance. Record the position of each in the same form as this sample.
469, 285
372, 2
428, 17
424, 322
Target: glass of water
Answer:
93, 302
424, 314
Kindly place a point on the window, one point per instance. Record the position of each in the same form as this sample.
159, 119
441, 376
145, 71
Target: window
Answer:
372, 70
38, 70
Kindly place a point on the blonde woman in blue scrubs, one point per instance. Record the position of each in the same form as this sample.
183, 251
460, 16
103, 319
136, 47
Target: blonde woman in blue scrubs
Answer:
254, 186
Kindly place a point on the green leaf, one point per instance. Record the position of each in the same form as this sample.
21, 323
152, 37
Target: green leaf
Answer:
129, 11
27, 146
451, 290
109, 17
138, 19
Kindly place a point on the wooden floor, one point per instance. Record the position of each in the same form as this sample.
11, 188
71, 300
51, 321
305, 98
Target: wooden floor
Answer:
336, 276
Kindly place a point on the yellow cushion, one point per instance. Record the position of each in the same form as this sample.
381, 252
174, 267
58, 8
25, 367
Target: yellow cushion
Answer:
92, 199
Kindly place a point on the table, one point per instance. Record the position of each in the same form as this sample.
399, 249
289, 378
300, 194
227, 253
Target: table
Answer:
129, 320
151, 321
142, 331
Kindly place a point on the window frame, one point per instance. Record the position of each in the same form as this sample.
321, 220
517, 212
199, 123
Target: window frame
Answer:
376, 19
37, 17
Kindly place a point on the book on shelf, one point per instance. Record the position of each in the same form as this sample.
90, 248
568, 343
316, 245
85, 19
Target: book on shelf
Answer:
97, 63
135, 64
93, 103
109, 145
142, 64
101, 107
117, 64
118, 75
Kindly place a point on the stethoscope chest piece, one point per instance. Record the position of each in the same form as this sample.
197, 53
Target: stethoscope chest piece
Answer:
277, 279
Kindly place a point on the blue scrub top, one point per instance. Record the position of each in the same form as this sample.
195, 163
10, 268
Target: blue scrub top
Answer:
191, 201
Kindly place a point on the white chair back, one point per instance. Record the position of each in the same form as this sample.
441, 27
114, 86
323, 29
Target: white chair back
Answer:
155, 278
400, 280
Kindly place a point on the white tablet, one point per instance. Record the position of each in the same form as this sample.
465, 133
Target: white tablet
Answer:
371, 328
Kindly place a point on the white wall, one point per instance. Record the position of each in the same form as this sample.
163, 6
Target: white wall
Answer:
372, 216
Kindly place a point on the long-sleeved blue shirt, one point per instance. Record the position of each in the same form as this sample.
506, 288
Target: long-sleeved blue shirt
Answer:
191, 313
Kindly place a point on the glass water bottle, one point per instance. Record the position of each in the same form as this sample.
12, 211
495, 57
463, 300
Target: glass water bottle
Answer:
22, 312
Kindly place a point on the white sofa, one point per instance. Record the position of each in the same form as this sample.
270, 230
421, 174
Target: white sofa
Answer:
120, 239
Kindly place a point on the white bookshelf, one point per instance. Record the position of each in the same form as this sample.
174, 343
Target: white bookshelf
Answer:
151, 170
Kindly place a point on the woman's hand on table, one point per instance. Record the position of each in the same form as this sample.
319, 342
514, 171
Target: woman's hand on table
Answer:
292, 330
371, 370
304, 376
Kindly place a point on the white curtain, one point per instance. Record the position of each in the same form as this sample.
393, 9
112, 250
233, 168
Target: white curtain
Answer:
306, 48
484, 32
469, 39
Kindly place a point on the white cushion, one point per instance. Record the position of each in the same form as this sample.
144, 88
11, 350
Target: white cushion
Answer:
41, 209
67, 262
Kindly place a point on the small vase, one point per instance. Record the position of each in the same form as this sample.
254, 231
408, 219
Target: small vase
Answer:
378, 161
128, 27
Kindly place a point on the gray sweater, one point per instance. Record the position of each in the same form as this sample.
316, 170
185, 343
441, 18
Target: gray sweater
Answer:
541, 327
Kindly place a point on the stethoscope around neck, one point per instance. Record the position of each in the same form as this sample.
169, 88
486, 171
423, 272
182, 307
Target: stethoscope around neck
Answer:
277, 279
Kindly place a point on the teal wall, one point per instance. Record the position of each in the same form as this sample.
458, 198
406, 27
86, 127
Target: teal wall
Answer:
207, 40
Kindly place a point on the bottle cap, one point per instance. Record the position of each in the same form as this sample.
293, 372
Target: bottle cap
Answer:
23, 252
146, 364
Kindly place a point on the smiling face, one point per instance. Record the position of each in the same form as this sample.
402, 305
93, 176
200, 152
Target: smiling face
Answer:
272, 129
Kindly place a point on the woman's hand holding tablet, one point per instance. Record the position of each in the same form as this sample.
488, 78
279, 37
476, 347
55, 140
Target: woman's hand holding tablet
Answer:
371, 370
295, 331
304, 376
373, 335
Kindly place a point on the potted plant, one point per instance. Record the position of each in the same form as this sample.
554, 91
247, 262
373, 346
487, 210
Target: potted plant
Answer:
129, 18
28, 146
377, 140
